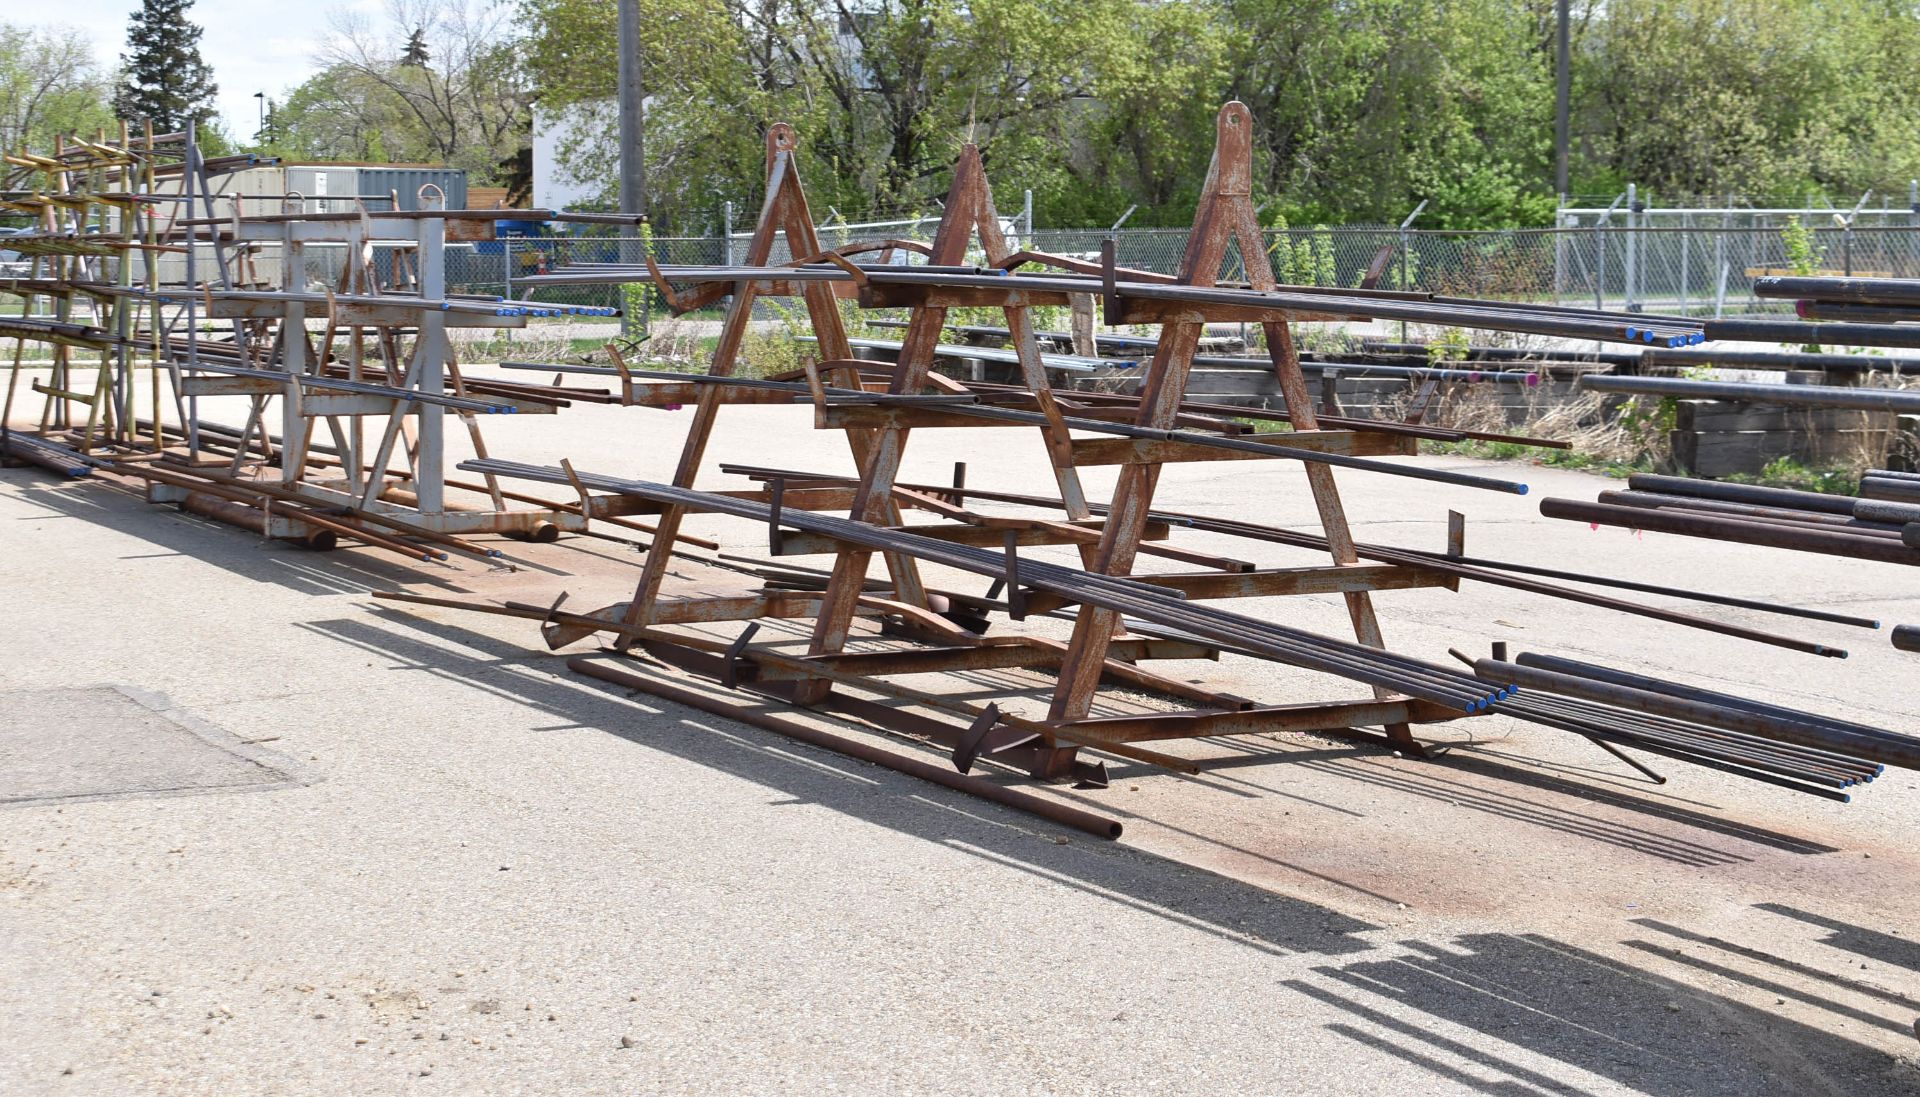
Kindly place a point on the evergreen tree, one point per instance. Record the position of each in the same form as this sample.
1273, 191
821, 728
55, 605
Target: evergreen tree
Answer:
163, 77
416, 52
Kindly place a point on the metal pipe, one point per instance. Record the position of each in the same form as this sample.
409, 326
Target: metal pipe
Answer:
1793, 331
1776, 360
1893, 750
1124, 596
1458, 567
1598, 673
1818, 396
1864, 291
1733, 529
1742, 493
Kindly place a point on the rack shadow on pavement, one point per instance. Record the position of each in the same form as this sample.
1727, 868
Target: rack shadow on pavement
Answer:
1634, 1028
247, 555
1203, 900
1574, 816
1499, 1013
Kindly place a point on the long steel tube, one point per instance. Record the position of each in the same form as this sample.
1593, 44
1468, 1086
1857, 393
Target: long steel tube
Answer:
1491, 315
1742, 493
1343, 658
1816, 396
1771, 535
1801, 728
1903, 336
1483, 571
1777, 360
1864, 291
1576, 667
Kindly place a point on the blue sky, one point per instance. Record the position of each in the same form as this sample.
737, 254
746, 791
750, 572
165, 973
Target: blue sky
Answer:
253, 45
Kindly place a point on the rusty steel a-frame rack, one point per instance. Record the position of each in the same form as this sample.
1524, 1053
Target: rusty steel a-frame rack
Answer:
1109, 537
1121, 618
383, 353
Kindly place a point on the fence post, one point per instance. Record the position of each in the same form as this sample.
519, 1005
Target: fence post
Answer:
1720, 258
726, 234
1406, 243
506, 274
1600, 263
1686, 257
1026, 240
1632, 286
1559, 253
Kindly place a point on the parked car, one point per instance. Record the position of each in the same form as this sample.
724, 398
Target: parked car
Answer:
12, 263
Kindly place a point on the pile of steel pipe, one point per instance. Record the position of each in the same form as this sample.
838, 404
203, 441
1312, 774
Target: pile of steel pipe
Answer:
473, 306
363, 388
1427, 681
46, 453
1687, 357
1784, 746
1345, 369
1899, 401
1885, 527
1797, 331
1820, 749
970, 406
1492, 572
1233, 412
1545, 320
1389, 350
1741, 755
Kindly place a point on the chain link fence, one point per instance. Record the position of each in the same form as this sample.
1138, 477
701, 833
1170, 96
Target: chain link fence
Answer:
1693, 263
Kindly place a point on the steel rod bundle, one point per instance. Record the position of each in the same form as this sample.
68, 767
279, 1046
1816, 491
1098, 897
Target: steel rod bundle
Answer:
1642, 693
1793, 331
965, 405
1360, 304
1776, 360
1814, 396
1478, 570
1340, 657
1742, 530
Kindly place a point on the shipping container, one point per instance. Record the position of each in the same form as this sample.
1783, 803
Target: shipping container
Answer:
406, 183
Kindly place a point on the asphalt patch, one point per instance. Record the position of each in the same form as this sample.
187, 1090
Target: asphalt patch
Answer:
106, 742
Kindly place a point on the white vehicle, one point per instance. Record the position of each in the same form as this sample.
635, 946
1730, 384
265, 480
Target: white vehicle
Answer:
12, 263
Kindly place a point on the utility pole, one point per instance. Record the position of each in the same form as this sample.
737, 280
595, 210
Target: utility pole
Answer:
633, 168
1563, 91
633, 165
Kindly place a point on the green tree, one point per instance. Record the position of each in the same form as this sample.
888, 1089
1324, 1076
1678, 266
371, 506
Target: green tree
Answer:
883, 93
163, 78
1756, 97
49, 85
457, 95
